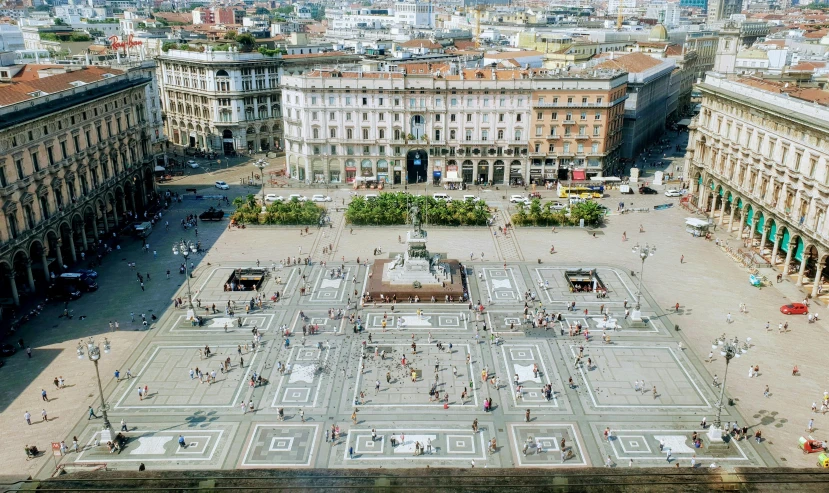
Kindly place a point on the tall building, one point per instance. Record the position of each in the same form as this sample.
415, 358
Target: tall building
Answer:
758, 162
223, 101
649, 90
721, 10
441, 123
77, 150
627, 7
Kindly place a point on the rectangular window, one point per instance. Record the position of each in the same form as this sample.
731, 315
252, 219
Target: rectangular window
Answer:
347, 100
798, 157
348, 116
332, 133
381, 102
89, 137
349, 134
332, 116
452, 117
314, 115
598, 116
365, 134
484, 135
468, 135
539, 131
333, 150
50, 155
381, 134
3, 182
454, 102
594, 148
518, 117
468, 118
63, 152
539, 116
485, 118
35, 161
412, 102
313, 100
502, 102
437, 118
500, 117
18, 164
365, 101
331, 100
584, 115
365, 117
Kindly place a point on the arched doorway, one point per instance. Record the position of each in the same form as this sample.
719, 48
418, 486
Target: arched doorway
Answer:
227, 142
416, 164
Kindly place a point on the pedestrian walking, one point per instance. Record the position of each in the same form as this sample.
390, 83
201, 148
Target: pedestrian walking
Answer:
29, 352
43, 415
766, 392
810, 426
43, 395
91, 414
28, 417
302, 415
124, 425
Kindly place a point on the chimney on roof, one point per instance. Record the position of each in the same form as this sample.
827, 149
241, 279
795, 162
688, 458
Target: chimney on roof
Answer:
492, 72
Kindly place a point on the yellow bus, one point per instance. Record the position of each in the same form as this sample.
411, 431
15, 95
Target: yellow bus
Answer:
580, 190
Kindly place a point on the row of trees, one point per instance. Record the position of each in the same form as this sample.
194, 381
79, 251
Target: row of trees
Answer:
249, 211
538, 214
393, 209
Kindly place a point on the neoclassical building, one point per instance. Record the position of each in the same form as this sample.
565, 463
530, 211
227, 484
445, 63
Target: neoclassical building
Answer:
77, 151
221, 101
438, 122
758, 162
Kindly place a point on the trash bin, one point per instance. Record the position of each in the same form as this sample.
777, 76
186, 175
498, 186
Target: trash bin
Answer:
730, 401
676, 328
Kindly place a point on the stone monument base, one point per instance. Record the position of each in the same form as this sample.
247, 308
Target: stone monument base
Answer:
376, 285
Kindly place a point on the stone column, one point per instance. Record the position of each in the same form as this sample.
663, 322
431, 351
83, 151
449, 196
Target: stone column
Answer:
106, 221
802, 269
490, 172
763, 238
751, 231
72, 253
731, 218
114, 214
95, 229
789, 254
29, 276
59, 257
13, 283
83, 237
45, 263
713, 204
722, 211
132, 200
774, 250
817, 279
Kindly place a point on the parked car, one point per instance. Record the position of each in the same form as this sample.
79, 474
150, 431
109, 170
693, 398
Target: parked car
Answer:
7, 350
89, 273
473, 198
78, 281
222, 185
272, 197
192, 164
297, 196
519, 199
625, 189
673, 192
320, 198
212, 214
63, 292
794, 309
558, 206
370, 196
647, 191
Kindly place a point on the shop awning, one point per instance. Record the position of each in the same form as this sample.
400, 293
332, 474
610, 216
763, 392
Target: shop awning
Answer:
579, 174
684, 122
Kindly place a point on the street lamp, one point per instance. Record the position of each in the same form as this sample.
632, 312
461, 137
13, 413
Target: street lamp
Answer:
644, 252
185, 248
730, 349
261, 164
93, 353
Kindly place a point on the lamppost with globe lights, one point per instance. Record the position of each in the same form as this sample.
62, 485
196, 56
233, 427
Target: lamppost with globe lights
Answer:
93, 353
644, 252
261, 164
185, 248
730, 349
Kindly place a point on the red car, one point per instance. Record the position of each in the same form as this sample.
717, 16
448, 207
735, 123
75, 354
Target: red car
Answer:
794, 309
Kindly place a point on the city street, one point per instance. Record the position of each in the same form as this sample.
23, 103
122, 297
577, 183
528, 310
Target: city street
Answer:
327, 372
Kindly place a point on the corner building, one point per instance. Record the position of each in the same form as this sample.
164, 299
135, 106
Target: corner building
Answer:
444, 124
758, 163
77, 151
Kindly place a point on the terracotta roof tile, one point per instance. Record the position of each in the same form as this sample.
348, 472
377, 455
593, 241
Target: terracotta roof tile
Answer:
421, 43
15, 92
633, 62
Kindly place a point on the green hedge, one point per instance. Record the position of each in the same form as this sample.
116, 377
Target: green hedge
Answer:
538, 214
249, 211
392, 209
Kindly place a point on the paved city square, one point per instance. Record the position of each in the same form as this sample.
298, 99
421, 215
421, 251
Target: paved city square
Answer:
299, 414
405, 385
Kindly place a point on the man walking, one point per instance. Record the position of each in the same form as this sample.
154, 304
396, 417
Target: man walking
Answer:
28, 417
43, 395
91, 414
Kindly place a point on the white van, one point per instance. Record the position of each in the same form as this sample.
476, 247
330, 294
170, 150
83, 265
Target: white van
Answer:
441, 196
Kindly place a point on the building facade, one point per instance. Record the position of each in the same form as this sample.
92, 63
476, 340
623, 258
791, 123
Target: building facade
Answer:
441, 124
77, 152
758, 163
649, 91
222, 101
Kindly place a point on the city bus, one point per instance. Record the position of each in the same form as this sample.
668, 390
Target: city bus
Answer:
581, 190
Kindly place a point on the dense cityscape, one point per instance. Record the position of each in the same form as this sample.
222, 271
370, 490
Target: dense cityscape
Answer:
337, 242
